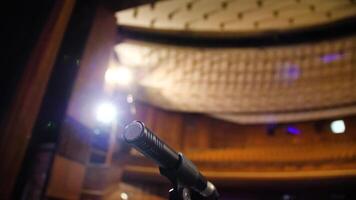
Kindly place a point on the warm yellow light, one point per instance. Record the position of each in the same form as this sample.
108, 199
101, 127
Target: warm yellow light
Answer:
119, 75
110, 75
124, 196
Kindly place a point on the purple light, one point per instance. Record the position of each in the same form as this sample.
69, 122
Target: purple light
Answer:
290, 72
331, 57
292, 130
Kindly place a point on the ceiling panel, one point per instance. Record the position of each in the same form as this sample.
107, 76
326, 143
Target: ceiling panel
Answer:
249, 85
240, 16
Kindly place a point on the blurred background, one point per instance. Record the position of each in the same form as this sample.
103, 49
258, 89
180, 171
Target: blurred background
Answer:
259, 94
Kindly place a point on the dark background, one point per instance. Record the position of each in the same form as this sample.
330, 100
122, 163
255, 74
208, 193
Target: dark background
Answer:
21, 26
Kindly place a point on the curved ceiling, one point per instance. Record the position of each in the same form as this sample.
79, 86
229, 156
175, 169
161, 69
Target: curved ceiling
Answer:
235, 16
255, 83
247, 85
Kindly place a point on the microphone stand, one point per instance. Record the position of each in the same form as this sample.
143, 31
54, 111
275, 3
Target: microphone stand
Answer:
179, 190
188, 182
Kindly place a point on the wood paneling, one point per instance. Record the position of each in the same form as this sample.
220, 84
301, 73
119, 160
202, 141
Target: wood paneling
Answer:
219, 146
66, 180
101, 177
194, 132
197, 131
139, 190
88, 88
74, 142
87, 94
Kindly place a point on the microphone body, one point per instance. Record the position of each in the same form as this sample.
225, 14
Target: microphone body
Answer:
172, 164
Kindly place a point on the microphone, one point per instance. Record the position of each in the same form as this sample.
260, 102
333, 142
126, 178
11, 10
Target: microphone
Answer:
145, 141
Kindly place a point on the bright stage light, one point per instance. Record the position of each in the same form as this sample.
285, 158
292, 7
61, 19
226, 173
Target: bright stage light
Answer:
124, 196
129, 98
338, 126
119, 75
106, 113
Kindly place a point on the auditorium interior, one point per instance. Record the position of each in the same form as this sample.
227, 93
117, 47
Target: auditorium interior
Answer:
259, 94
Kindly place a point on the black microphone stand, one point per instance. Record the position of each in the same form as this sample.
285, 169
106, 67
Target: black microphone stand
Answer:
179, 190
188, 182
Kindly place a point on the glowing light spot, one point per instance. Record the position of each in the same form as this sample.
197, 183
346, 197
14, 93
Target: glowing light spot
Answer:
290, 72
106, 113
331, 57
129, 98
292, 130
338, 126
124, 196
119, 75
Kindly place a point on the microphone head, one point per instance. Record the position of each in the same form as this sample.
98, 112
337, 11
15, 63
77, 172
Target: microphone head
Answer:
133, 131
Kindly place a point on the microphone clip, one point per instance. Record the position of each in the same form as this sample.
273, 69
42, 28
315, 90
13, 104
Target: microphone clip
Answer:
177, 177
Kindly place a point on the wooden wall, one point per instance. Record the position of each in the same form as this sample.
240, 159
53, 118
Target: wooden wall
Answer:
68, 169
66, 180
250, 155
195, 131
82, 168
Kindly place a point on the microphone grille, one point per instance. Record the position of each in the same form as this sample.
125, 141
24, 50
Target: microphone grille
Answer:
133, 131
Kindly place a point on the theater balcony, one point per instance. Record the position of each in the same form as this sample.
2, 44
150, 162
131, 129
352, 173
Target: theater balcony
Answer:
260, 95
